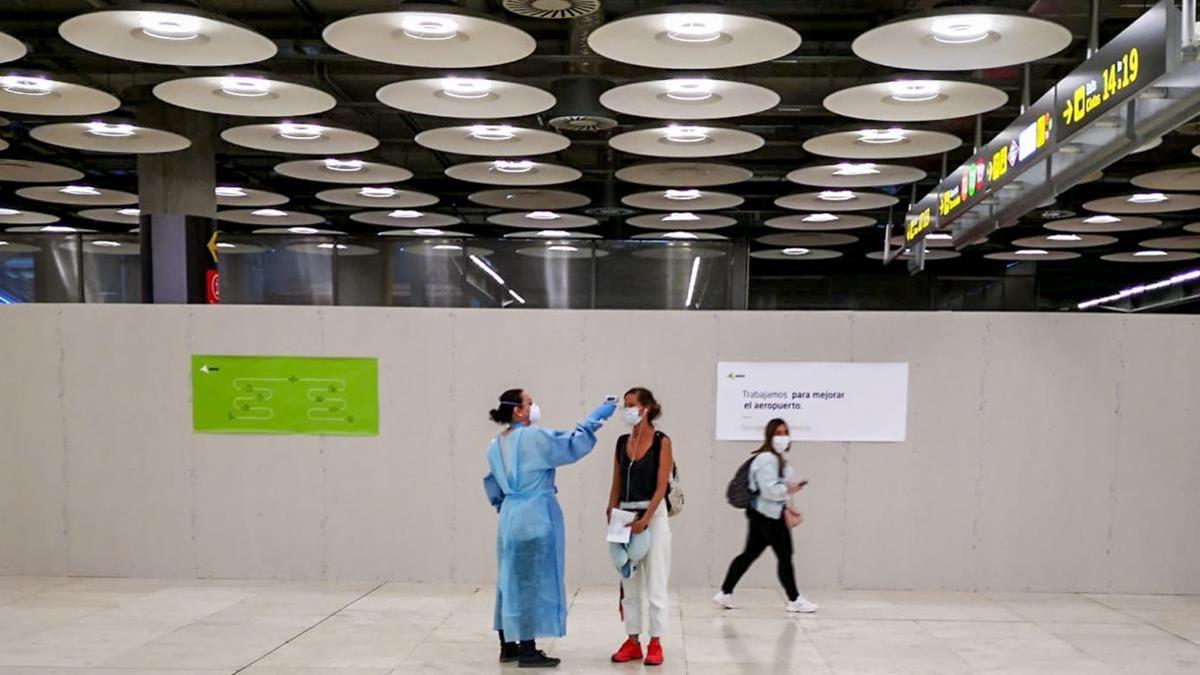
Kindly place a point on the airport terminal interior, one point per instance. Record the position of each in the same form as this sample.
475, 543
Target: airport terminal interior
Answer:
378, 337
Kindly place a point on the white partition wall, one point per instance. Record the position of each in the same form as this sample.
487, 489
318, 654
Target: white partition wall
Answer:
1044, 451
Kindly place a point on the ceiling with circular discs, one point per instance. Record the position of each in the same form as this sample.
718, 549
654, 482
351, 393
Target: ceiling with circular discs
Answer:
803, 120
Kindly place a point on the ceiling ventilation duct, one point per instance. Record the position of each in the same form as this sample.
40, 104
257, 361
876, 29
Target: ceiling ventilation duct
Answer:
552, 9
578, 108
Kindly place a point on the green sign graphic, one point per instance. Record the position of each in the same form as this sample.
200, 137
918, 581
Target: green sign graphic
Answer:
284, 395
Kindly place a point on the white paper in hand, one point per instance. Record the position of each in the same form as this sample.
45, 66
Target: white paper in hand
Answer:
618, 533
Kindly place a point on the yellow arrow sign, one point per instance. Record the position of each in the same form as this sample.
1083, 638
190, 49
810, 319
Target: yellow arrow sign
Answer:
212, 246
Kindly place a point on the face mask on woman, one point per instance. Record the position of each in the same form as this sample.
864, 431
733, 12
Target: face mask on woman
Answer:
781, 443
535, 414
631, 416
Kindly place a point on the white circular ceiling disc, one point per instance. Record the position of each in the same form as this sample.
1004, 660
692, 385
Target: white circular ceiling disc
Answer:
930, 255
1057, 241
960, 41
915, 100
1146, 202
11, 48
808, 239
424, 233
819, 222
465, 98
405, 218
109, 216
684, 174
90, 197
680, 236
543, 220
521, 172
41, 229
855, 175
347, 172
37, 95
429, 38
530, 200
701, 39
300, 139
1151, 256
166, 38
376, 197
681, 222
1187, 242
244, 96
1186, 178
689, 200
24, 171
269, 217
939, 240
551, 235
1103, 223
228, 195
26, 218
797, 254
689, 98
686, 141
1032, 255
114, 138
493, 140
835, 201
881, 142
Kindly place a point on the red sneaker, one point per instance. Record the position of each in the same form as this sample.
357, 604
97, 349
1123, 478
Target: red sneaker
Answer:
631, 650
654, 655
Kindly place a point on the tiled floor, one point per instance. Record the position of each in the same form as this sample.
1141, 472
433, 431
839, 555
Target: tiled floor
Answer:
140, 627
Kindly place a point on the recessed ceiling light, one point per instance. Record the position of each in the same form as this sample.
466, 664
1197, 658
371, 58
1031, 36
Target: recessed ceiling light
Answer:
1149, 254
914, 91
299, 132
881, 136
682, 195
269, 213
225, 244
679, 134
58, 228
377, 192
693, 27
339, 247
819, 218
961, 29
429, 27
428, 232
680, 216
1101, 220
690, 89
542, 215
513, 166
493, 132
4, 243
466, 87
447, 247
553, 233
9, 212
562, 248
26, 86
939, 236
1147, 198
79, 190
229, 191
404, 213
111, 130
795, 251
345, 165
170, 26
849, 169
835, 195
130, 212
245, 86
1064, 237
1032, 251
104, 243
303, 230
680, 235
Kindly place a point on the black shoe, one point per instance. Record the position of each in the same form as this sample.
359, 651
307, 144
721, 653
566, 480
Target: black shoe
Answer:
537, 659
509, 653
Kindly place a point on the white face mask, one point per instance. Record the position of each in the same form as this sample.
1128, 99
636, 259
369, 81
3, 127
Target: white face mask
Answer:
632, 416
781, 443
535, 414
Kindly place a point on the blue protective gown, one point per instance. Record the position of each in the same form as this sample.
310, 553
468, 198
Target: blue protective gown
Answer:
531, 600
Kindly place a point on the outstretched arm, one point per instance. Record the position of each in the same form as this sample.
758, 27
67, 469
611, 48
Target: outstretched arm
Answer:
568, 447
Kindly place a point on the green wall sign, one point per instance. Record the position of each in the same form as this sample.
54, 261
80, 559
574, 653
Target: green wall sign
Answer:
285, 395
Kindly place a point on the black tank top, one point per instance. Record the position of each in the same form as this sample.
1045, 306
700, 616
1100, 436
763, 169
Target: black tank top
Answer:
639, 479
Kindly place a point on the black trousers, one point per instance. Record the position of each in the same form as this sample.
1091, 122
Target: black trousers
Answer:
765, 532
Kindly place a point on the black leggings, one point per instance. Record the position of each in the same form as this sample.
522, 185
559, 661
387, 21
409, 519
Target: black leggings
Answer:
765, 532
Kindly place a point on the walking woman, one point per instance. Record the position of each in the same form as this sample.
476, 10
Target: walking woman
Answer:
530, 597
771, 486
641, 475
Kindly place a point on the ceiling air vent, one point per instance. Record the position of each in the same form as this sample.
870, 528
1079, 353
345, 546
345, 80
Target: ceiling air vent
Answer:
552, 9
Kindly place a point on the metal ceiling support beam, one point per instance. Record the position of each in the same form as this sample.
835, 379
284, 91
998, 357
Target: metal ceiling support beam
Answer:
1094, 30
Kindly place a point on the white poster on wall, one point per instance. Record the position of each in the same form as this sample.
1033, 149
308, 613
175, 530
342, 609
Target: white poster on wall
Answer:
821, 401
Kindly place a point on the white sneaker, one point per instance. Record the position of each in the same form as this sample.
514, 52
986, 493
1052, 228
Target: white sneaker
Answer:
725, 600
801, 605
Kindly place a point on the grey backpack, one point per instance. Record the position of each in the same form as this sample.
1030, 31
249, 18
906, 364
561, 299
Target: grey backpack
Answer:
738, 493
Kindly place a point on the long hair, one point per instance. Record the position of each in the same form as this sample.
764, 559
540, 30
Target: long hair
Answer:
769, 432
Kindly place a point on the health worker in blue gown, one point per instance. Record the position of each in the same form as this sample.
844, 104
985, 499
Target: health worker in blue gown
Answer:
531, 600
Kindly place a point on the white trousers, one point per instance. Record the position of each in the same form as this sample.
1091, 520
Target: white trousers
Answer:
648, 585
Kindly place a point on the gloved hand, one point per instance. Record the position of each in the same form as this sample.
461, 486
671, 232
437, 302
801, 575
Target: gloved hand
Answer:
602, 412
